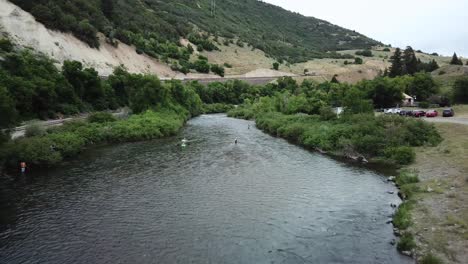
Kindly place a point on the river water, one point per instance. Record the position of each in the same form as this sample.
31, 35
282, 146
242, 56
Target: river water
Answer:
260, 201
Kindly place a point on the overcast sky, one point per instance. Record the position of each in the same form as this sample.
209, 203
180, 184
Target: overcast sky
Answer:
429, 25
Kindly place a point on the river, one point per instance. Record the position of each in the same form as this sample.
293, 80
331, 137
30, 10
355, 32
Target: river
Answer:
260, 201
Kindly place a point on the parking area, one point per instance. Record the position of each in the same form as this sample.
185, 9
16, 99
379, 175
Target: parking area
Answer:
440, 115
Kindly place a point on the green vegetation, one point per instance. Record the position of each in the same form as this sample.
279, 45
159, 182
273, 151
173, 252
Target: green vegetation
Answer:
34, 88
70, 139
430, 259
460, 90
217, 108
406, 243
402, 218
365, 53
155, 27
275, 66
101, 117
455, 60
408, 64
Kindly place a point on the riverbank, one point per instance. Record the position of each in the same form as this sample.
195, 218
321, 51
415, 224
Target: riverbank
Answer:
440, 213
365, 138
56, 144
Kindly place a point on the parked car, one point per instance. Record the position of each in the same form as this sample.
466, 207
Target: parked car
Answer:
419, 113
404, 112
393, 111
448, 112
432, 113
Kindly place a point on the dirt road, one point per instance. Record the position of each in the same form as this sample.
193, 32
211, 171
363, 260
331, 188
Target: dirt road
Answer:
452, 120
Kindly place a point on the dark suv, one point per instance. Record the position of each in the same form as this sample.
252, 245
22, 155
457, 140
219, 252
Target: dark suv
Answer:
448, 112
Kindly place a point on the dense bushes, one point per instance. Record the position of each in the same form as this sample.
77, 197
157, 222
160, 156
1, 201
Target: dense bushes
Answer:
101, 117
71, 138
217, 108
386, 139
365, 53
31, 87
460, 90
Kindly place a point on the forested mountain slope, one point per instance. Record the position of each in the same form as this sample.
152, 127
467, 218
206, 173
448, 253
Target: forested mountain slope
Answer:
155, 27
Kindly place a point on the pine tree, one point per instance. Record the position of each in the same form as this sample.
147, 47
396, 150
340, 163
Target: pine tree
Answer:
334, 79
397, 67
456, 60
410, 61
433, 65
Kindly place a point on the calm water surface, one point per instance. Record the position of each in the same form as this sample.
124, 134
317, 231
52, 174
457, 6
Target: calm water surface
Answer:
261, 201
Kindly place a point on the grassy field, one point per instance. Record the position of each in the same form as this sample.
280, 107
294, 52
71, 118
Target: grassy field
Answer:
441, 215
245, 60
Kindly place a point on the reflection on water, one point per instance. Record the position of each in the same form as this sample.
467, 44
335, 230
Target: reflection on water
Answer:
260, 201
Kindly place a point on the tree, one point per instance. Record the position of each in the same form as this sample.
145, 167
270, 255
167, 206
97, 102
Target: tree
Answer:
397, 66
8, 114
87, 33
219, 70
455, 60
384, 92
334, 79
276, 66
355, 102
460, 90
107, 8
410, 61
202, 66
422, 86
358, 61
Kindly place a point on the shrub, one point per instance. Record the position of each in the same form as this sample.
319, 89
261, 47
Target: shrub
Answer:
460, 90
406, 243
276, 66
424, 105
227, 65
430, 259
402, 218
216, 108
358, 61
401, 155
6, 45
202, 66
365, 53
386, 49
215, 68
327, 113
101, 117
406, 178
34, 129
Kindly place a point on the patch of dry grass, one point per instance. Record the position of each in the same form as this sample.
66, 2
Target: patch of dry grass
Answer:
441, 215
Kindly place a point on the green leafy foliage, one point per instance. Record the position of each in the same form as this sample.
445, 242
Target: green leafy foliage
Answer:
406, 243
430, 259
460, 90
66, 141
101, 117
155, 27
365, 53
402, 218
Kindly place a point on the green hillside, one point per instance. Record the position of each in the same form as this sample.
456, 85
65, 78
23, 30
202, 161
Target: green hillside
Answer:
155, 26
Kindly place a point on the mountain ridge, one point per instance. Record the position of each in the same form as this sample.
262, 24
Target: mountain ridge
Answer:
155, 27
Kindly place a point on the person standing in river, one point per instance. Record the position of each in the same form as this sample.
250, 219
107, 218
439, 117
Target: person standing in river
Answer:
23, 167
